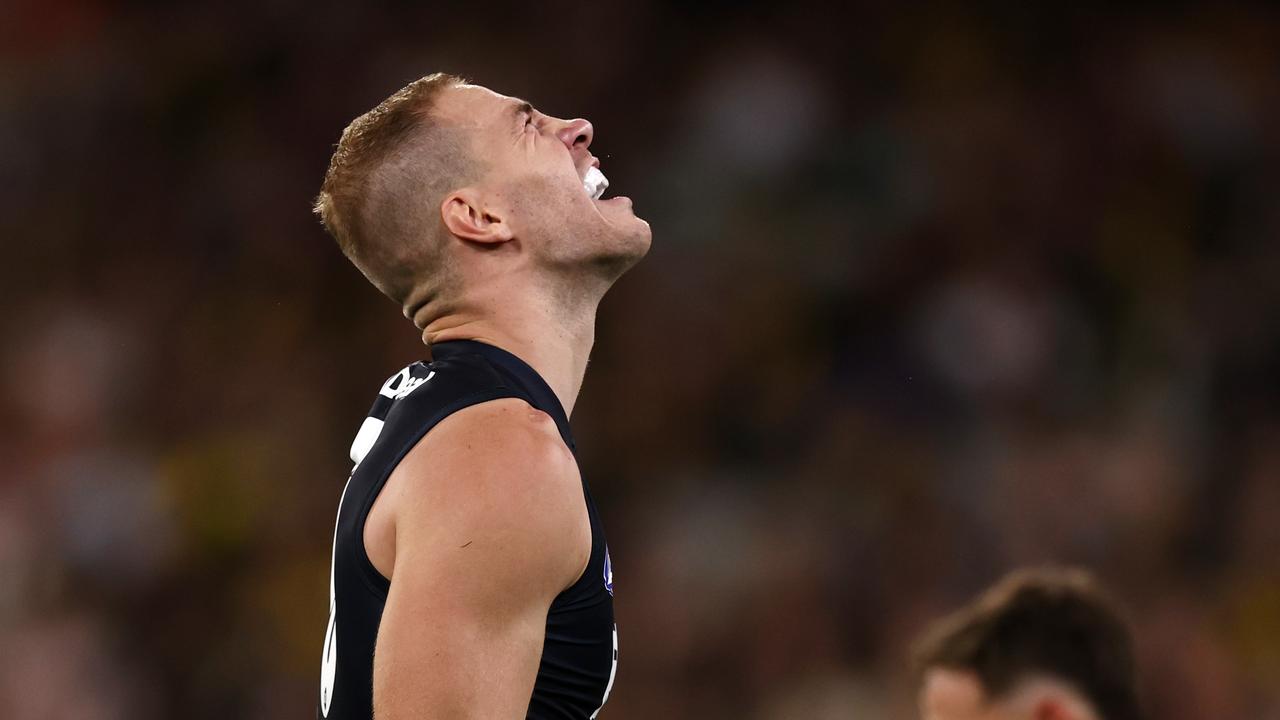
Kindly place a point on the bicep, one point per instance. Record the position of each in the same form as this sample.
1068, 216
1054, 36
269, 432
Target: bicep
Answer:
449, 651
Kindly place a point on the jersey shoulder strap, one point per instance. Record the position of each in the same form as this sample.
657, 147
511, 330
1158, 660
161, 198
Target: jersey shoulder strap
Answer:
421, 395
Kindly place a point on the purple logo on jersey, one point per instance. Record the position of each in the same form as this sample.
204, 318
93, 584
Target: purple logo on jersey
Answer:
608, 572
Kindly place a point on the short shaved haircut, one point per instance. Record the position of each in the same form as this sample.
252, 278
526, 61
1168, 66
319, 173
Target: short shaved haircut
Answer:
381, 195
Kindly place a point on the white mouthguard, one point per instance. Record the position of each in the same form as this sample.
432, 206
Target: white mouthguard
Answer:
595, 183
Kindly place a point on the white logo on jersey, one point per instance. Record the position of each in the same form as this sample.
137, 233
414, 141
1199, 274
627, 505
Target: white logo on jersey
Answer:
608, 572
370, 429
396, 387
399, 386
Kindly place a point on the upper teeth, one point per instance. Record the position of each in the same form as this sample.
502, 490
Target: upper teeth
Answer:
595, 183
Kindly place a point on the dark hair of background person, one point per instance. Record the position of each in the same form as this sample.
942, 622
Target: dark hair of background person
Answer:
1055, 622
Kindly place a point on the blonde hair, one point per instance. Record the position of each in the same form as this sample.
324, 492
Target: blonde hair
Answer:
386, 179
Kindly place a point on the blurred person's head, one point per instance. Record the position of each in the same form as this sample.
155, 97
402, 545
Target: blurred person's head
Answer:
450, 198
1043, 644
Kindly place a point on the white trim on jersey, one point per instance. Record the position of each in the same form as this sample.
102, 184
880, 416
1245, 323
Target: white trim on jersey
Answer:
613, 673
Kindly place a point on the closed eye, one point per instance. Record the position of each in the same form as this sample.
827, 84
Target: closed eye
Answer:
523, 109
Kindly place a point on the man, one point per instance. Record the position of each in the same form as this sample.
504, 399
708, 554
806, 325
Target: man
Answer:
470, 576
1039, 645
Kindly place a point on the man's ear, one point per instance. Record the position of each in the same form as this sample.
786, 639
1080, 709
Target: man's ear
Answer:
467, 217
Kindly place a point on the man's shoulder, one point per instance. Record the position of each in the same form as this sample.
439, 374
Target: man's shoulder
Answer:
498, 450
505, 436
499, 473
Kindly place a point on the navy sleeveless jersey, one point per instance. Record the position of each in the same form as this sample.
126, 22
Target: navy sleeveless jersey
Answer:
580, 651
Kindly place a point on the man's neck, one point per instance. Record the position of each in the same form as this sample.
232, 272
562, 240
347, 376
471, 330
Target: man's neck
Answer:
555, 343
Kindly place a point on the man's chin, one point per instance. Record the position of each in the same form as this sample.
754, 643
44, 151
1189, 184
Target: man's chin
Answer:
623, 239
637, 237
626, 244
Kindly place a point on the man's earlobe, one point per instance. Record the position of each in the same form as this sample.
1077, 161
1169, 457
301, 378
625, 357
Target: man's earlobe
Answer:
466, 216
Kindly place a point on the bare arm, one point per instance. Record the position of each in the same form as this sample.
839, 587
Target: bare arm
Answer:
489, 527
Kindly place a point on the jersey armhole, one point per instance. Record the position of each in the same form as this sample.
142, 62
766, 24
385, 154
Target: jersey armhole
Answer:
584, 586
373, 579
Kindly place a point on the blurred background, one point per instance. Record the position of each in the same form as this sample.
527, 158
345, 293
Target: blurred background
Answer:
934, 292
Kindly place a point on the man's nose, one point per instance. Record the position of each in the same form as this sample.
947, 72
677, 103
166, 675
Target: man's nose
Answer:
576, 132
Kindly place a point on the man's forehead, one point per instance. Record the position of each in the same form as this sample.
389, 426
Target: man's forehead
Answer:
475, 104
951, 694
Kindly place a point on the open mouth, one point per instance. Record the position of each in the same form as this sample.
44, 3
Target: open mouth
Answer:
595, 183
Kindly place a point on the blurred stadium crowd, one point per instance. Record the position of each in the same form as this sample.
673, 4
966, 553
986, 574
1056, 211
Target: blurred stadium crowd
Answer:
934, 293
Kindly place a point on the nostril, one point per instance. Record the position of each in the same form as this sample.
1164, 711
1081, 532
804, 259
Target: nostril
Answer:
576, 133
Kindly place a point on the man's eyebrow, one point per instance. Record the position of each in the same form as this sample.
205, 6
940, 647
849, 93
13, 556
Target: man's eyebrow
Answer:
520, 108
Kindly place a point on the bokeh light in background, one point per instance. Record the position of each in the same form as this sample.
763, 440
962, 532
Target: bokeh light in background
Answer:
934, 292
